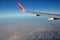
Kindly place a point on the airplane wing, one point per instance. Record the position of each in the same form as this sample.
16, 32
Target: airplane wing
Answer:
51, 16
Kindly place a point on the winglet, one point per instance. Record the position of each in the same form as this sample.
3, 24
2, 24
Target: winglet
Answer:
21, 7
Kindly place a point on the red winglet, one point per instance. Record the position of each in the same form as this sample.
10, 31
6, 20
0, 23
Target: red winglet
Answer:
21, 7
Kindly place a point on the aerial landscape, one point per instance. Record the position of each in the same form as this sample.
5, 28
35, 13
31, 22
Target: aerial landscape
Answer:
18, 24
30, 31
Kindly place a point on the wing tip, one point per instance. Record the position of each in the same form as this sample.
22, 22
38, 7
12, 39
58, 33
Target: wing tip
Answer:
21, 7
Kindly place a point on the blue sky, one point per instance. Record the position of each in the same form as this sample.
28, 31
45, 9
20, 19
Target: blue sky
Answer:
9, 8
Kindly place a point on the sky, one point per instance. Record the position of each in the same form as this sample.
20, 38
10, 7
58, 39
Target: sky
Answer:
9, 10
